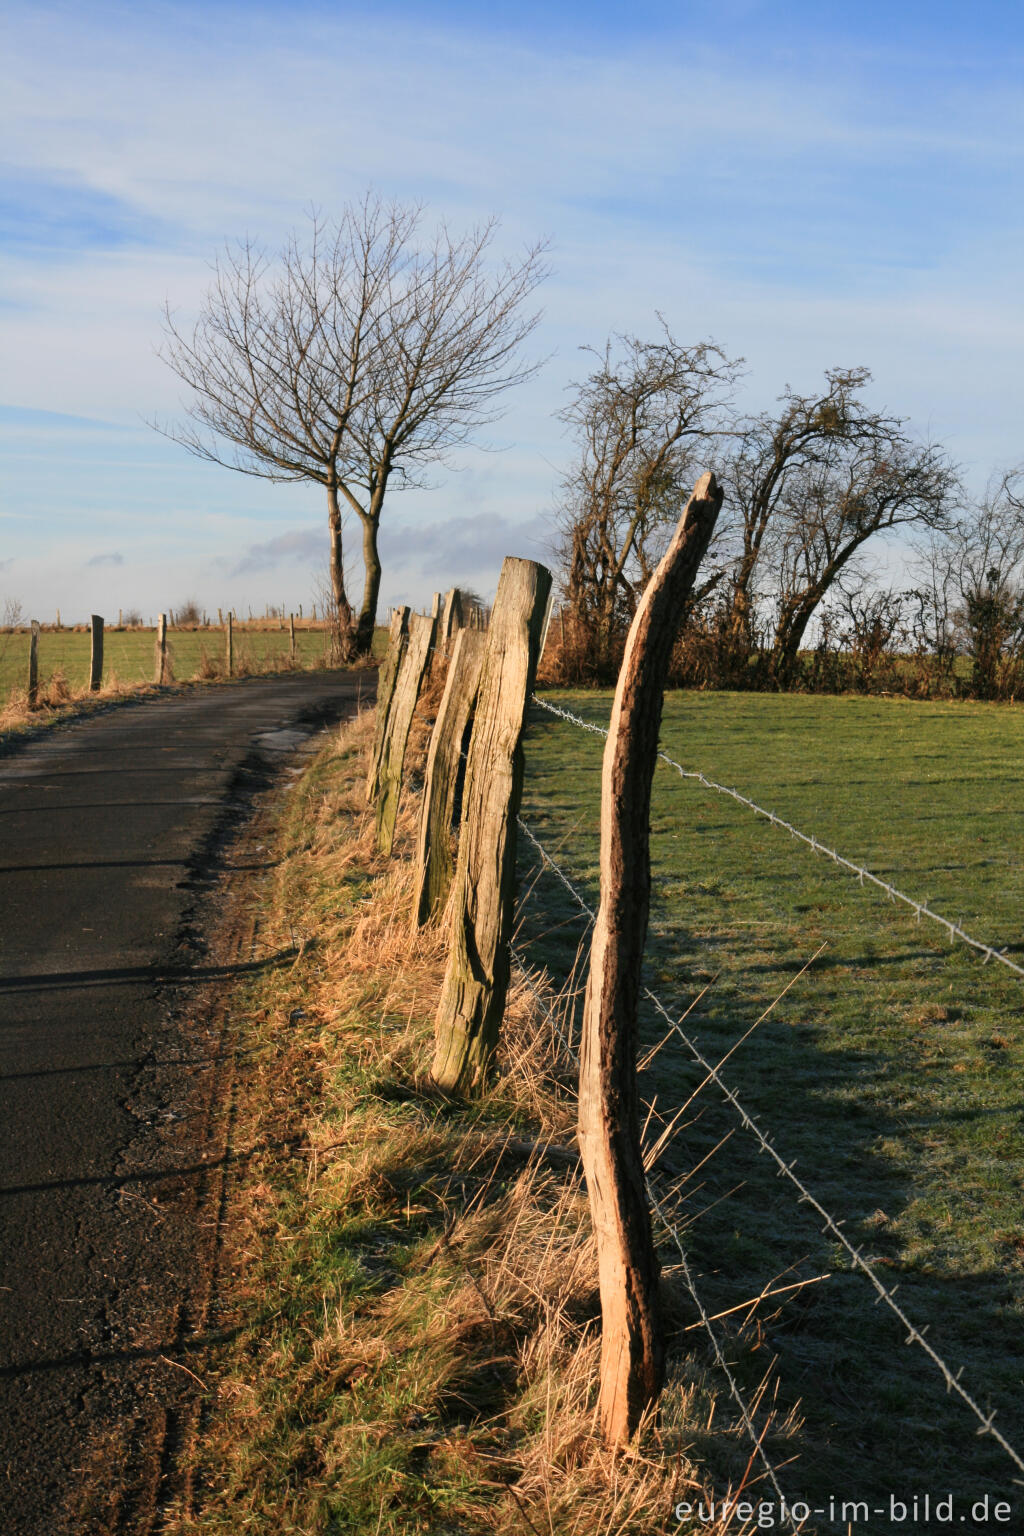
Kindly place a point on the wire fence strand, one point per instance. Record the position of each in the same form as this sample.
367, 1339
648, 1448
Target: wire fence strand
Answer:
913, 1335
746, 1417
919, 908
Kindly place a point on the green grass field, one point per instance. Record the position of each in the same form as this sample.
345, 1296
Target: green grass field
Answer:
891, 1070
129, 654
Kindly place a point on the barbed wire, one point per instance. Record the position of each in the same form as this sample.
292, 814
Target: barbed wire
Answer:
831, 1225
919, 908
734, 1390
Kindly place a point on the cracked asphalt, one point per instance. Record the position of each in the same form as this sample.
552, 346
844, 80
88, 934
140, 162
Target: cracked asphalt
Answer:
121, 842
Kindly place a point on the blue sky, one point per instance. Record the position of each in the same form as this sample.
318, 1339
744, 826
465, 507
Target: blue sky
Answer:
811, 185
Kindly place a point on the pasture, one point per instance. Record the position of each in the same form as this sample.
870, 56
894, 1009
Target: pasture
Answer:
891, 1068
128, 654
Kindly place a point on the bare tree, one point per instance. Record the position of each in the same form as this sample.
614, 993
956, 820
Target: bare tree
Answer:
355, 358
971, 601
809, 487
635, 418
832, 509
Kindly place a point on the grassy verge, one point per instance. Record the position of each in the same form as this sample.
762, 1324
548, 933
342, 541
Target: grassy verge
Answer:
409, 1299
890, 1071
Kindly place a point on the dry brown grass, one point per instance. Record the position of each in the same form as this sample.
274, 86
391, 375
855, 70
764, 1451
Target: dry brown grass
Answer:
57, 699
415, 1285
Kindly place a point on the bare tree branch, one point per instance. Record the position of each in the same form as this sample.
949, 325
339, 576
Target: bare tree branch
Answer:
354, 356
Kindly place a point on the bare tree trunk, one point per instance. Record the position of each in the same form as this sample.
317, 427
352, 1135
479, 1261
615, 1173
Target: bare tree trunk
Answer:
632, 1354
371, 588
341, 603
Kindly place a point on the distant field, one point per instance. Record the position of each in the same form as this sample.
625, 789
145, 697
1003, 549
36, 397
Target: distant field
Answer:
891, 1070
129, 654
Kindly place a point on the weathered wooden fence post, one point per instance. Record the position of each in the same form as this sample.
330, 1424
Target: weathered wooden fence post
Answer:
415, 662
451, 619
387, 677
434, 866
229, 643
632, 1352
161, 648
476, 982
33, 665
96, 653
291, 637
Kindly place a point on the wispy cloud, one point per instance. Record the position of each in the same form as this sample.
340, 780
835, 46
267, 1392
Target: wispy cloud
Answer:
307, 546
115, 558
468, 549
811, 189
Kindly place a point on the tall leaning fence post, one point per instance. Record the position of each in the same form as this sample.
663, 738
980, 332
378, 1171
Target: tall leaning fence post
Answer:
33, 665
451, 619
387, 677
160, 668
632, 1350
291, 638
476, 981
415, 662
229, 643
434, 868
96, 653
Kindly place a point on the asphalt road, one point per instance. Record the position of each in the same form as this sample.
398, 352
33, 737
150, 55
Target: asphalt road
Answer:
121, 836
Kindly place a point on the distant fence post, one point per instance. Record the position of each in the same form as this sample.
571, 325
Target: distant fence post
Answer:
291, 637
632, 1348
434, 866
161, 648
476, 982
229, 643
96, 653
407, 688
387, 677
33, 665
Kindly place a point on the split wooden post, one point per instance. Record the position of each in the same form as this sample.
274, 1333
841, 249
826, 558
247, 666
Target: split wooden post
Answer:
387, 677
229, 643
161, 648
291, 637
434, 867
451, 619
632, 1353
33, 665
415, 662
96, 653
476, 982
